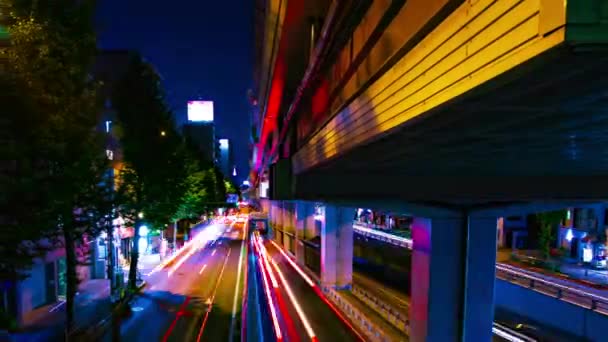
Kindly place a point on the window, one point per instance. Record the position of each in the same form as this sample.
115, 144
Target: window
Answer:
110, 154
108, 126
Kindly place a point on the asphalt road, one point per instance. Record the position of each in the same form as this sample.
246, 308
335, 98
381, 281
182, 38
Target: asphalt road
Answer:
192, 298
324, 322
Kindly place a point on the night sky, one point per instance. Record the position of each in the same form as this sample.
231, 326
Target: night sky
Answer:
201, 48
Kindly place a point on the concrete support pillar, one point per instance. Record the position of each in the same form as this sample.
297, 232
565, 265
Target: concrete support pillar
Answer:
272, 214
287, 224
337, 247
453, 268
310, 224
279, 215
278, 224
305, 212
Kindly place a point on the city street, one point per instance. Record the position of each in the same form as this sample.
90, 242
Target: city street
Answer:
192, 297
303, 312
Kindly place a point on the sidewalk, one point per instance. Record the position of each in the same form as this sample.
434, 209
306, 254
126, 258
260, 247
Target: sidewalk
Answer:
147, 263
568, 271
47, 323
597, 277
92, 304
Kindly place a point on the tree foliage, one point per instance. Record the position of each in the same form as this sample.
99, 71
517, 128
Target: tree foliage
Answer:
151, 181
548, 222
230, 187
52, 49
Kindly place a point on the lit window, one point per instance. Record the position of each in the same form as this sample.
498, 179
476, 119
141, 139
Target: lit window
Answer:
108, 125
110, 154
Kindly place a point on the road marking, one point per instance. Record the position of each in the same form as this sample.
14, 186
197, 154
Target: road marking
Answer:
177, 316
210, 300
57, 306
202, 269
236, 292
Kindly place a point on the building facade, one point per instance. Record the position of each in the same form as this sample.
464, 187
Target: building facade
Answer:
226, 158
202, 136
456, 112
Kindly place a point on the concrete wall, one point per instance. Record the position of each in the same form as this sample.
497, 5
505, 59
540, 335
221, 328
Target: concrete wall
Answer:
550, 311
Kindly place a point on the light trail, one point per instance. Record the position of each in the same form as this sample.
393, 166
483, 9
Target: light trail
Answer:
319, 293
275, 320
211, 233
510, 334
212, 299
56, 307
202, 269
238, 283
294, 302
177, 316
294, 265
263, 256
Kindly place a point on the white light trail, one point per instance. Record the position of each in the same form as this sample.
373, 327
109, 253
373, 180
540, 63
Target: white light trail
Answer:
202, 269
238, 283
275, 320
510, 334
295, 303
295, 266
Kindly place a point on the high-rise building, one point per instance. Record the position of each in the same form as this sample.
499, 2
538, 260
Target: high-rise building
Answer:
200, 130
226, 158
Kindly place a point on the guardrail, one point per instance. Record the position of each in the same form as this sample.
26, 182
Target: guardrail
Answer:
390, 314
382, 236
368, 328
570, 294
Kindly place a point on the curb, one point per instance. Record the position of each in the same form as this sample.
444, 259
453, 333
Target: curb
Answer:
387, 312
369, 329
95, 330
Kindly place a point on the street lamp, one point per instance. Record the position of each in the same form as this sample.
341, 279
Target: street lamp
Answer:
163, 133
140, 215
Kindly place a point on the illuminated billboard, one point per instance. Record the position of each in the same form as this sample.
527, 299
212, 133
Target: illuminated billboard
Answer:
200, 111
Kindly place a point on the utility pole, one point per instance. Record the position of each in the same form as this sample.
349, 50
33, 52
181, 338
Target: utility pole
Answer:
174, 236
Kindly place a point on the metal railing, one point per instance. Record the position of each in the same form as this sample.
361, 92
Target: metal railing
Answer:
393, 316
358, 318
571, 294
382, 236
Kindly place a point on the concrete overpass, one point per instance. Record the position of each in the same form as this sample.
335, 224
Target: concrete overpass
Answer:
454, 111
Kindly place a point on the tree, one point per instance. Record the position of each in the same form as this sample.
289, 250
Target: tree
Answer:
230, 187
22, 197
152, 181
194, 198
53, 45
548, 222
